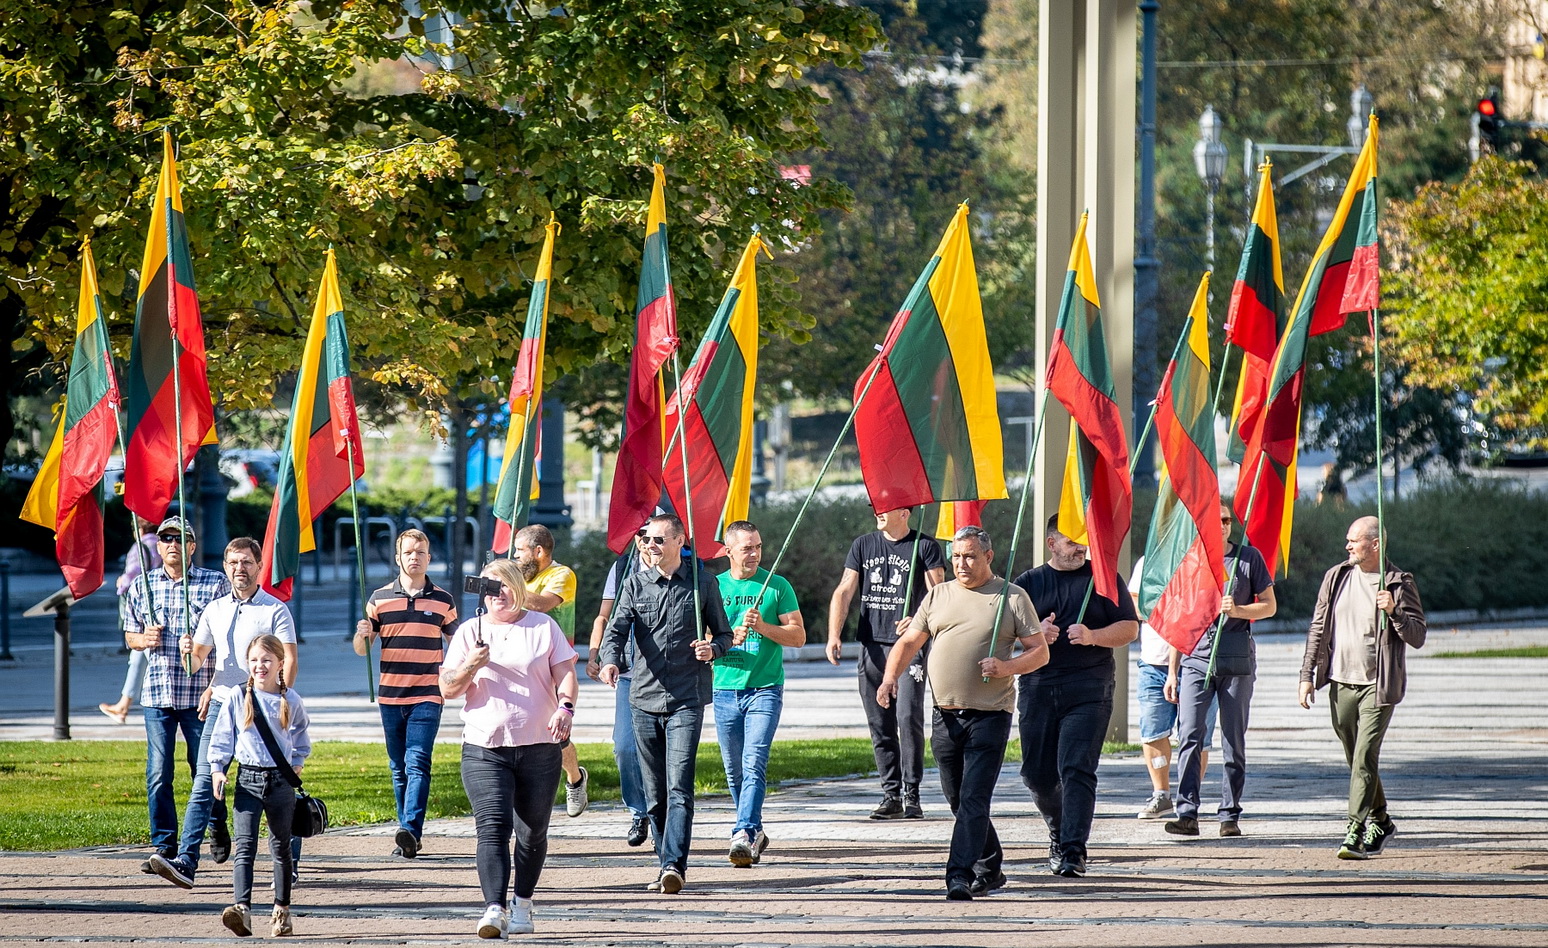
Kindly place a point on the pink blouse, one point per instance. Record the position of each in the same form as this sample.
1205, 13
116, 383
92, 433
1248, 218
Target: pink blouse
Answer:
511, 700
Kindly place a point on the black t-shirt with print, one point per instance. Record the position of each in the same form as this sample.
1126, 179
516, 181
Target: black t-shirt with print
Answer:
887, 569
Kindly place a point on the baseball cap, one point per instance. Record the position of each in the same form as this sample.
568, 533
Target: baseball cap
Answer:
178, 524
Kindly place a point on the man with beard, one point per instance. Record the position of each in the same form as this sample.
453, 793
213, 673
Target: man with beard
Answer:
551, 589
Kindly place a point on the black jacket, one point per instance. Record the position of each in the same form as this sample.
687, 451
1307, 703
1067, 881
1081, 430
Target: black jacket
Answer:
660, 610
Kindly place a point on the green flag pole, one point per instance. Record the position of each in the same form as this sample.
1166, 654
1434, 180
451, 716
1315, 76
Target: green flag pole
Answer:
1381, 490
1021, 513
354, 503
698, 606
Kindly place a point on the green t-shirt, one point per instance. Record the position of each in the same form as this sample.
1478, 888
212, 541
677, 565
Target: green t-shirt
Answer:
758, 662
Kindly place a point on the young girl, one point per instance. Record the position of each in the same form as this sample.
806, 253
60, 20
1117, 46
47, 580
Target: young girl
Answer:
260, 790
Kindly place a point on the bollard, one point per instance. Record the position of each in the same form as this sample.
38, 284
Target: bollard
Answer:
62, 671
5, 612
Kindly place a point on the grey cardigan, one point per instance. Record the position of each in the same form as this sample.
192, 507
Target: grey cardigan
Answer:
1405, 627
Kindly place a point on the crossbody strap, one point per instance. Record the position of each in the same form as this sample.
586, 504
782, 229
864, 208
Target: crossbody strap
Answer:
281, 763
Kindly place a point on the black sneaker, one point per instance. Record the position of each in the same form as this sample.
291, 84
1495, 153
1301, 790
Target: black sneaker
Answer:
890, 808
1071, 867
1353, 846
1055, 856
959, 892
145, 866
172, 870
983, 885
911, 808
220, 842
1376, 836
408, 846
639, 831
1183, 826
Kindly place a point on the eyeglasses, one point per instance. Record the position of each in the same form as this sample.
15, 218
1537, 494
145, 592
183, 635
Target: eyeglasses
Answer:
1227, 521
169, 537
656, 541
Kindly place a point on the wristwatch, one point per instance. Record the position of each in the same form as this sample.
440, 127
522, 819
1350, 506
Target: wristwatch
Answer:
568, 706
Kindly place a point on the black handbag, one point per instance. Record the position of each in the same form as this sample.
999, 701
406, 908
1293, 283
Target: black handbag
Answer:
311, 815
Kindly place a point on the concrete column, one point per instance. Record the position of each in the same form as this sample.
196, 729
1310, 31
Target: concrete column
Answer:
1086, 127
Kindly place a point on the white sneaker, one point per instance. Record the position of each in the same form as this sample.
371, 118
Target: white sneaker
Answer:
576, 797
741, 854
1158, 807
521, 918
492, 925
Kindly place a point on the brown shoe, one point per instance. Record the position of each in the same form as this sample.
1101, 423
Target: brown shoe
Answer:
1230, 828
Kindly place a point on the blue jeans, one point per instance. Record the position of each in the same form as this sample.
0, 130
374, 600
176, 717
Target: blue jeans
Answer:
410, 730
745, 720
624, 753
1063, 721
161, 727
203, 808
668, 745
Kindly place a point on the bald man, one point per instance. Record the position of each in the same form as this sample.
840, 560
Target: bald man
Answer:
1365, 616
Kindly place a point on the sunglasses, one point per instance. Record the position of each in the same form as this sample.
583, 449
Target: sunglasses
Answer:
169, 537
1227, 521
655, 541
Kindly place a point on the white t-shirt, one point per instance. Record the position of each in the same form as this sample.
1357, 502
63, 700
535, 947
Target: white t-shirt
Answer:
230, 625
1154, 650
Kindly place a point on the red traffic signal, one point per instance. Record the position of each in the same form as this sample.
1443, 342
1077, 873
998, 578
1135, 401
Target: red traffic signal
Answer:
1486, 107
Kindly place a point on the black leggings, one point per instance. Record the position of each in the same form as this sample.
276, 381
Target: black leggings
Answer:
260, 791
511, 788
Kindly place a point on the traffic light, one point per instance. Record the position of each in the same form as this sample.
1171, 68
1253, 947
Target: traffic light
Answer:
1489, 121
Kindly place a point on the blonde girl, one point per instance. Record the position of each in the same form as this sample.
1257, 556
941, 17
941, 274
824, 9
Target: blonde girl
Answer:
260, 789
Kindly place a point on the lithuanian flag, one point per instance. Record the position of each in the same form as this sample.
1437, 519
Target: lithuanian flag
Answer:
322, 454
165, 358
1097, 498
717, 400
1184, 555
1342, 273
637, 481
1256, 319
514, 493
63, 497
926, 419
953, 515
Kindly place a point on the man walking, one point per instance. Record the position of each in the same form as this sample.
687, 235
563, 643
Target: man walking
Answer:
153, 623
227, 626
1066, 705
1364, 617
971, 672
625, 755
750, 681
1221, 668
891, 569
673, 682
551, 589
413, 617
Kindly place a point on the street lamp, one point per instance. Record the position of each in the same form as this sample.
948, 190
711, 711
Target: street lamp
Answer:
1360, 104
1209, 159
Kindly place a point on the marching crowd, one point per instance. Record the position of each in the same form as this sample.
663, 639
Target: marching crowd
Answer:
671, 639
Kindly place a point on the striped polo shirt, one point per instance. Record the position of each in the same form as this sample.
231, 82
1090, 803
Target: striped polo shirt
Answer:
411, 630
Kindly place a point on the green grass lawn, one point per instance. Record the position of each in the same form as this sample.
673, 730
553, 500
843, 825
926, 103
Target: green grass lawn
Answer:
1528, 651
92, 793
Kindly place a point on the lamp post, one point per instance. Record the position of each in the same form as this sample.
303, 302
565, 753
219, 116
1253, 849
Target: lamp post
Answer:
1360, 104
1209, 159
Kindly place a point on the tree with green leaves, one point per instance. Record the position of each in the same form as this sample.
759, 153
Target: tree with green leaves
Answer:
433, 193
1467, 302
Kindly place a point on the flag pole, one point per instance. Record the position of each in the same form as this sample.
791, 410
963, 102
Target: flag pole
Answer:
1381, 490
177, 419
1230, 577
698, 607
1134, 461
521, 473
1021, 512
354, 505
817, 484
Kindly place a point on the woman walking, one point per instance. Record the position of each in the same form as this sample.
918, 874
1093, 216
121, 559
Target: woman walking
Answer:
517, 673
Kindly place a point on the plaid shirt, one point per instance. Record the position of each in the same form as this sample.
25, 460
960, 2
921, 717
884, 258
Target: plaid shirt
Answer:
167, 684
